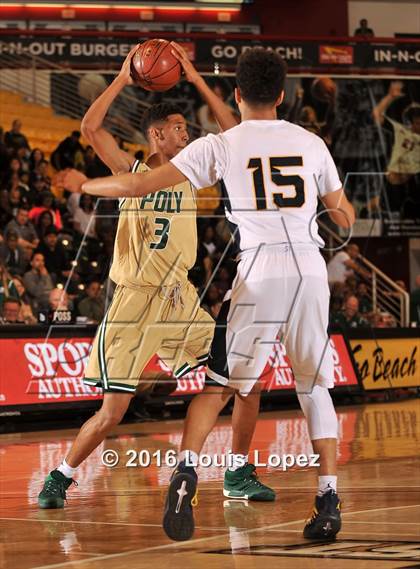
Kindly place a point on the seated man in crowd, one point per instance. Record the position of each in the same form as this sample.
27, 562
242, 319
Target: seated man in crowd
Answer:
14, 138
10, 311
58, 299
92, 306
348, 316
12, 254
55, 255
27, 236
38, 283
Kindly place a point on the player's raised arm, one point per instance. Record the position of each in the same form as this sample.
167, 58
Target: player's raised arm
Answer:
92, 128
134, 185
221, 111
395, 92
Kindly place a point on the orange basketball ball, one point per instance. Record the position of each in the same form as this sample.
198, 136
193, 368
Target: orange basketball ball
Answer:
154, 67
324, 89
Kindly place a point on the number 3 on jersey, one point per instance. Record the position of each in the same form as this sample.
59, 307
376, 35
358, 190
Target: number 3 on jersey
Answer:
161, 231
280, 180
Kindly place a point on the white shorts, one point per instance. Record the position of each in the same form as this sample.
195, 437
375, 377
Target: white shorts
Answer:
280, 294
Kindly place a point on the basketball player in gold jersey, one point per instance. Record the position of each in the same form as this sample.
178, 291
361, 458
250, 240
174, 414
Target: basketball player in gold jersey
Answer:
154, 309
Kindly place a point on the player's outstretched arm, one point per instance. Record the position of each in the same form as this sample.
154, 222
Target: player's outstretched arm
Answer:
134, 185
395, 91
222, 112
92, 128
339, 208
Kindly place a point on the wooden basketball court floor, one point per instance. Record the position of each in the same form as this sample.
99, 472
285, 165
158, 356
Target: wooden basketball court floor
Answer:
112, 519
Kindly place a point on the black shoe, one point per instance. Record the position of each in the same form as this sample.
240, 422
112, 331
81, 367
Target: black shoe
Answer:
178, 519
325, 522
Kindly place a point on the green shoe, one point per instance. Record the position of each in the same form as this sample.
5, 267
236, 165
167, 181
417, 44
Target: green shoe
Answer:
243, 484
53, 493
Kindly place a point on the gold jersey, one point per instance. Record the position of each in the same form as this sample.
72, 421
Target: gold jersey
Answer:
156, 240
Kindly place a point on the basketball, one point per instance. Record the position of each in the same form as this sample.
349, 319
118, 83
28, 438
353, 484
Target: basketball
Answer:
153, 66
324, 89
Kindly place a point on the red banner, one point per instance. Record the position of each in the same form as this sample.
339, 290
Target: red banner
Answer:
278, 372
35, 370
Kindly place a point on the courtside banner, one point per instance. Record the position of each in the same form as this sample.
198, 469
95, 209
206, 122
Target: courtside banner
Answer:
109, 50
37, 370
388, 363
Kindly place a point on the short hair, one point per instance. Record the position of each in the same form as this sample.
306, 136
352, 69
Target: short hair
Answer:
411, 112
260, 76
158, 113
11, 300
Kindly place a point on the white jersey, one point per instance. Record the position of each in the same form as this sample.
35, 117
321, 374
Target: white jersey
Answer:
273, 171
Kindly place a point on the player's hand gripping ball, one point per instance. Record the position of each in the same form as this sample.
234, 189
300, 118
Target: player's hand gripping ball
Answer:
154, 67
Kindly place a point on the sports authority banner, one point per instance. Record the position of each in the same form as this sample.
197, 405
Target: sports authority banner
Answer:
108, 51
37, 371
388, 363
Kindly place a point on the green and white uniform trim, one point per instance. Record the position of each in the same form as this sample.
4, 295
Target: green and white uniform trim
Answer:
185, 368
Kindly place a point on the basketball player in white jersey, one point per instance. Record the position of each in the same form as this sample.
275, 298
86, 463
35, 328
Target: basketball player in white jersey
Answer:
274, 173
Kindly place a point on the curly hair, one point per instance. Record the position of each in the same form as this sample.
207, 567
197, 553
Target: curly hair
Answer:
260, 76
158, 113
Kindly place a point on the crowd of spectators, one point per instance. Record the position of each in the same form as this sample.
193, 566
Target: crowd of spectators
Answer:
52, 245
55, 243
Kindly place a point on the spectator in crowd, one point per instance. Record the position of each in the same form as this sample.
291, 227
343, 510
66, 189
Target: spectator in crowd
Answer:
107, 218
45, 221
211, 297
55, 256
208, 240
5, 210
14, 138
92, 306
69, 153
365, 302
223, 280
17, 193
343, 264
25, 314
12, 254
14, 168
7, 285
10, 311
415, 303
23, 156
27, 236
349, 316
35, 158
38, 283
39, 180
58, 299
363, 30
84, 217
94, 167
47, 204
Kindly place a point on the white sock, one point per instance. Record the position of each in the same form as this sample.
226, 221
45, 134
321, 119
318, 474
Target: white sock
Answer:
326, 483
66, 469
190, 457
237, 461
